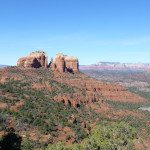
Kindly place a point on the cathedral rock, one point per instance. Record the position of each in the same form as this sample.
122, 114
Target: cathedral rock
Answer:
63, 63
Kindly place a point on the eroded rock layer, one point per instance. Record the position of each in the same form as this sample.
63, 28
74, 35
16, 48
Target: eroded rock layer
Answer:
99, 91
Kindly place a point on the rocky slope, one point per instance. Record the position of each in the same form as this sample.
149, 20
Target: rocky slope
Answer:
137, 82
116, 66
86, 89
51, 104
68, 104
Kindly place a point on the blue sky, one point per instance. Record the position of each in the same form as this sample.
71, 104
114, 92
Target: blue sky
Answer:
92, 30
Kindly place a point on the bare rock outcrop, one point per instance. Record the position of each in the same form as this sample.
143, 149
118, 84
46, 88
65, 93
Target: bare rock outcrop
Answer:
60, 62
64, 63
34, 60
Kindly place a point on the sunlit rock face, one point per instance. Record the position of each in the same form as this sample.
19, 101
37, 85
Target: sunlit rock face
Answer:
64, 63
34, 60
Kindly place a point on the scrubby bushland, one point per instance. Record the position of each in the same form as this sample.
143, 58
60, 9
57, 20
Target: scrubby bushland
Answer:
104, 136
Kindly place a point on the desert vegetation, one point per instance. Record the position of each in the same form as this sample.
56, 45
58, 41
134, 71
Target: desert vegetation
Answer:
34, 114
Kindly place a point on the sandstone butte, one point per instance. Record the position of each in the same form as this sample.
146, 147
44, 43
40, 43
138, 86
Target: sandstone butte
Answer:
34, 60
63, 63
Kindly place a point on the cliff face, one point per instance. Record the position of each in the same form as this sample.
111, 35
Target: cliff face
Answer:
64, 63
60, 63
34, 60
71, 64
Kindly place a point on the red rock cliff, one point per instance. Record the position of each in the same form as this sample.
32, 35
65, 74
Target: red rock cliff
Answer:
64, 63
34, 60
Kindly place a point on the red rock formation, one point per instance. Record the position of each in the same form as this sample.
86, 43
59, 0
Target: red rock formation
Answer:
52, 64
91, 90
60, 63
64, 63
98, 91
71, 64
34, 60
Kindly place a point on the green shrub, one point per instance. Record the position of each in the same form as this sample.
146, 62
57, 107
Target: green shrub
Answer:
104, 137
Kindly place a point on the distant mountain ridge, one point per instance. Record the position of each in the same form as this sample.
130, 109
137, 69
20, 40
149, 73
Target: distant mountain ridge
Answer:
2, 66
117, 66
